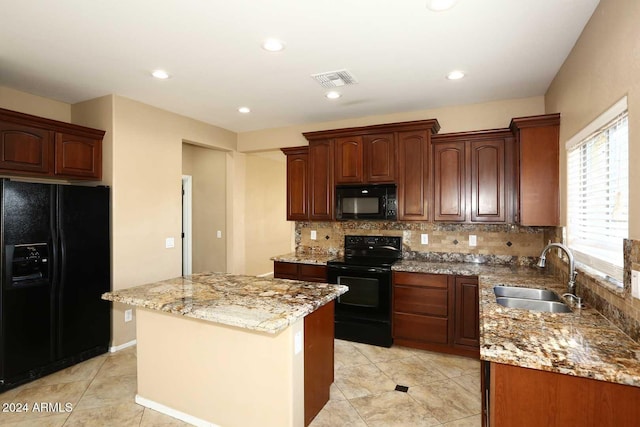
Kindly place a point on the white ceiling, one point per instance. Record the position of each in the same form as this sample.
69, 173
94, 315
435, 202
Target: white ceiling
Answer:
400, 52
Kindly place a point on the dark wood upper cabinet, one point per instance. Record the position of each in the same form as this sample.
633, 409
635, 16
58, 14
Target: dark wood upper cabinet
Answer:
297, 183
35, 146
413, 175
450, 183
349, 160
321, 186
380, 158
78, 156
488, 166
25, 149
537, 176
473, 176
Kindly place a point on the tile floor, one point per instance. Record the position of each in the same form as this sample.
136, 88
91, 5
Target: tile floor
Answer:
443, 391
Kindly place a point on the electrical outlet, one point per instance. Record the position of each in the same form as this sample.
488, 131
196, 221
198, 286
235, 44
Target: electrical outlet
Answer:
424, 239
635, 283
219, 234
128, 315
169, 243
473, 240
314, 234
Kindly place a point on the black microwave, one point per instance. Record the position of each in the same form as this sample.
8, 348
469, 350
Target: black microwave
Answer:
372, 202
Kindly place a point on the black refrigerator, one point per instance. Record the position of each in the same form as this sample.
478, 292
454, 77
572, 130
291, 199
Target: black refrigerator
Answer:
55, 265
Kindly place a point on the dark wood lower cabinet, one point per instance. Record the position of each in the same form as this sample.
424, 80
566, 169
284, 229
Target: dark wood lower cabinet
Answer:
318, 360
436, 312
296, 271
530, 398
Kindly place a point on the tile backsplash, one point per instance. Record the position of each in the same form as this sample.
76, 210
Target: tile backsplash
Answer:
613, 302
500, 244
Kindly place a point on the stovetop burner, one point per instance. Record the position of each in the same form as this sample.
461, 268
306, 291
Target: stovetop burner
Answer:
375, 251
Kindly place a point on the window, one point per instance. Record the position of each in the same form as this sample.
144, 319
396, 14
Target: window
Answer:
598, 192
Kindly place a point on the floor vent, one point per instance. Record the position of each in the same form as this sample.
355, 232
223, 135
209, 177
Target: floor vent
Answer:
402, 388
333, 79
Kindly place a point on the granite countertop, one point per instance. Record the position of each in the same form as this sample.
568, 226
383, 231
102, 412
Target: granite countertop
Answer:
260, 304
582, 343
319, 259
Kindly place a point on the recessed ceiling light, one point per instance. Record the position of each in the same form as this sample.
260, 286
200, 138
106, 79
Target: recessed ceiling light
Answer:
244, 110
440, 5
160, 74
455, 75
272, 45
333, 95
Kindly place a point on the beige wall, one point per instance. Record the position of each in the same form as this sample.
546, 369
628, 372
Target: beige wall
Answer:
267, 232
603, 66
15, 100
489, 115
207, 169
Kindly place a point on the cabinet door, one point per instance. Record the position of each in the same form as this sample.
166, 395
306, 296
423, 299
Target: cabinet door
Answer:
380, 158
285, 270
349, 160
297, 186
488, 181
312, 273
450, 187
78, 156
413, 175
539, 176
25, 149
320, 180
467, 323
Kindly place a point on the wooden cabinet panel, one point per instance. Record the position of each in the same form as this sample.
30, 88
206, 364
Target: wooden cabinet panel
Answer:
539, 183
321, 188
421, 279
349, 160
297, 183
380, 158
312, 273
78, 156
25, 149
450, 185
298, 271
425, 301
530, 398
488, 181
318, 359
413, 176
420, 328
467, 318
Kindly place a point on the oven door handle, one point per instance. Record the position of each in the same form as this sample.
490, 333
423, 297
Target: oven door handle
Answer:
358, 268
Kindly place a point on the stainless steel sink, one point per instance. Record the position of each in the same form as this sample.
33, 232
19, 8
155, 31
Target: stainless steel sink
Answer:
528, 293
533, 304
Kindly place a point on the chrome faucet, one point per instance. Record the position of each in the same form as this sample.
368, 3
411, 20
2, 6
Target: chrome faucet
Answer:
572, 265
577, 301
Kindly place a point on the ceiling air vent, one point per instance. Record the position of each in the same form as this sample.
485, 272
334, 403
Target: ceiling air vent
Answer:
335, 78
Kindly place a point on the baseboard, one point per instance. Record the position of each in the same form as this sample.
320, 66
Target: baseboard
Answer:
173, 413
113, 349
269, 274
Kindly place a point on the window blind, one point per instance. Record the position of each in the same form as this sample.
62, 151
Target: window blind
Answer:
598, 196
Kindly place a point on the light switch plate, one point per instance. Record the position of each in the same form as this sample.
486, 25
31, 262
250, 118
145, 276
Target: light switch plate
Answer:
219, 234
128, 315
314, 234
473, 240
424, 239
169, 243
635, 283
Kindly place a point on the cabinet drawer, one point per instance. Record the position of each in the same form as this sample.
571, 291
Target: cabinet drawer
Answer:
420, 279
420, 328
313, 273
429, 301
285, 270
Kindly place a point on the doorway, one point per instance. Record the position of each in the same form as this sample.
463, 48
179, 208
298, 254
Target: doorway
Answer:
187, 221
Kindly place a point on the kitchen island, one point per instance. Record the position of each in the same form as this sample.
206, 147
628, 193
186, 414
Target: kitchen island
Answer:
220, 349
